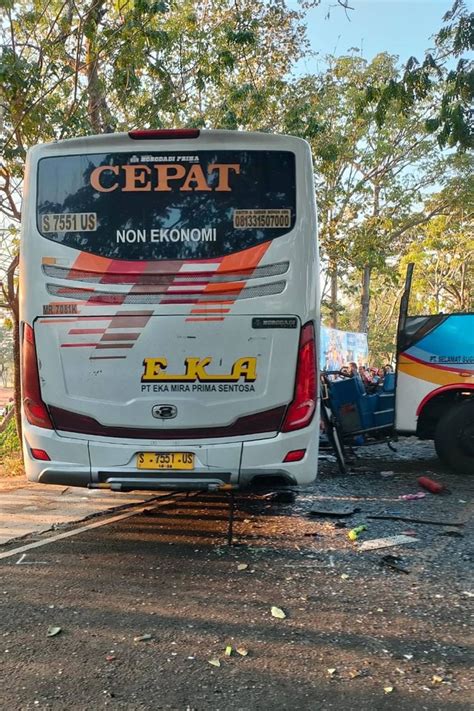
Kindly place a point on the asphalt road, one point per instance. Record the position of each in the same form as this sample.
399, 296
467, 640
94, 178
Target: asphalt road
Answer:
357, 635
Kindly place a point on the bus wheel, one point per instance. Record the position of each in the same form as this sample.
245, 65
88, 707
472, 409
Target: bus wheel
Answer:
454, 438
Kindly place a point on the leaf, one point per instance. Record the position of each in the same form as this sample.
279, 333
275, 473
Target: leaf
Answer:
228, 651
242, 651
436, 679
214, 662
142, 638
344, 576
242, 566
53, 631
278, 613
388, 689
331, 672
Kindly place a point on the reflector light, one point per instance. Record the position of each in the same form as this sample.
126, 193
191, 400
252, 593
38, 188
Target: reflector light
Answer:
40, 454
301, 410
163, 133
296, 455
34, 408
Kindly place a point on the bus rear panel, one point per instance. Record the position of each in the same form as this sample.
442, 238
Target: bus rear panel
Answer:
169, 310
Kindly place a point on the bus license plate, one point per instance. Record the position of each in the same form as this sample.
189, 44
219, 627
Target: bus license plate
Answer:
165, 460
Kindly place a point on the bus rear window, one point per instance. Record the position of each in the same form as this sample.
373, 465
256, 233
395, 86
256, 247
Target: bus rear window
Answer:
153, 206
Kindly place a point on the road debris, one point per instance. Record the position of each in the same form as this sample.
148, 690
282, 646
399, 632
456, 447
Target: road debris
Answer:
143, 638
242, 651
333, 509
228, 651
412, 497
214, 662
354, 533
388, 689
387, 542
386, 475
242, 566
413, 519
53, 631
280, 497
331, 672
394, 562
453, 532
432, 486
278, 613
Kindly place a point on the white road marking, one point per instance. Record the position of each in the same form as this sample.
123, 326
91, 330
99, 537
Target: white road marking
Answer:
77, 531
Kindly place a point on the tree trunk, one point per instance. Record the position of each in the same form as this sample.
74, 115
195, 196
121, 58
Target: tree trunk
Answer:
16, 376
365, 300
10, 294
333, 300
98, 110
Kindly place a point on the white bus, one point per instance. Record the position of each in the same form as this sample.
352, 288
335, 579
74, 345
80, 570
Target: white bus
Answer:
169, 306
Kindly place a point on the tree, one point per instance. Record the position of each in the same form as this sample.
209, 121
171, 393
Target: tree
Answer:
68, 69
449, 91
6, 355
371, 178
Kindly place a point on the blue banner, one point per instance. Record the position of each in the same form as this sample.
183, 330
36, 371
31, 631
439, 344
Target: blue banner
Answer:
338, 348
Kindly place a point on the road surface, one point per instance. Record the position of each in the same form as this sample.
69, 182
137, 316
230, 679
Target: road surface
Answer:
147, 605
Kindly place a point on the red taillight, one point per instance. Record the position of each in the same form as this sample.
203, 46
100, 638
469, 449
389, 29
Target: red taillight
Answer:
40, 454
150, 133
296, 455
300, 412
35, 409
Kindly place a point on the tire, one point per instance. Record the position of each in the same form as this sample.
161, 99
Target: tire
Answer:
454, 438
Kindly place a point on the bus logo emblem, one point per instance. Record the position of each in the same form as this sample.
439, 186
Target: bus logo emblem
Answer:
164, 412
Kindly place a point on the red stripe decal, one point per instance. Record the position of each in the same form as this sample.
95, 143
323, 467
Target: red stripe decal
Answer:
78, 345
119, 336
81, 331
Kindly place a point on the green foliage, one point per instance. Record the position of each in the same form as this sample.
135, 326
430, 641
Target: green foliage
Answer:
453, 89
9, 443
69, 69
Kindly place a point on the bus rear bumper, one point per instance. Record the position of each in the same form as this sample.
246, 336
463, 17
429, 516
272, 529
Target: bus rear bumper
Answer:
68, 463
263, 461
219, 465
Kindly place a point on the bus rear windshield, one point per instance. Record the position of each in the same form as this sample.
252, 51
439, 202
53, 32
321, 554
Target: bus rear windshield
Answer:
143, 206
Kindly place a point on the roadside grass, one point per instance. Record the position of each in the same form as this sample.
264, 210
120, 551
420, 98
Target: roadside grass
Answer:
11, 465
11, 462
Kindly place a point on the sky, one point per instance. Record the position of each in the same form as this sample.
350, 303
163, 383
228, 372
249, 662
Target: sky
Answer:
401, 27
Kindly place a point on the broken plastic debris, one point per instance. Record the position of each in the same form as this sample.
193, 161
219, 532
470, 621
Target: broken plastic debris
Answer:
354, 533
345, 576
278, 613
215, 662
53, 631
388, 689
110, 658
242, 566
142, 638
242, 651
408, 656
412, 497
436, 679
331, 672
434, 487
386, 474
228, 651
395, 562
376, 543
